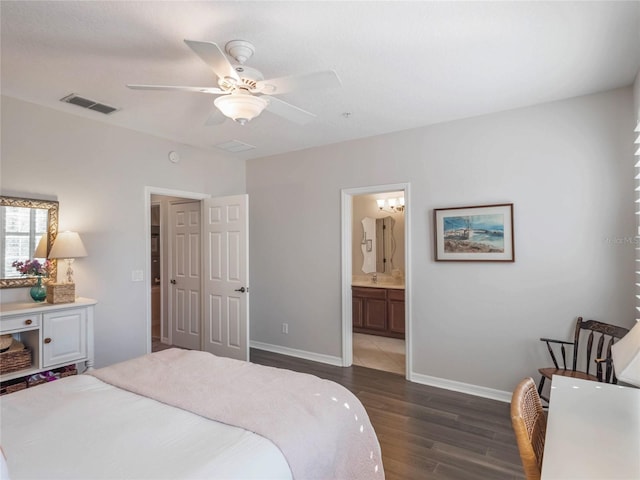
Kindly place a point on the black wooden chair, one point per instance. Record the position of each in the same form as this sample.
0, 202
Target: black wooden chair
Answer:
583, 356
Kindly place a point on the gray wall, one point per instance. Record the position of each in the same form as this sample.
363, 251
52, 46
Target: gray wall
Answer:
98, 173
567, 167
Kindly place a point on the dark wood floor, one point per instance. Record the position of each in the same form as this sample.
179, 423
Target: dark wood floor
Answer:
425, 432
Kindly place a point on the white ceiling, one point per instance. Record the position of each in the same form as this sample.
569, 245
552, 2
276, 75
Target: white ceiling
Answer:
402, 64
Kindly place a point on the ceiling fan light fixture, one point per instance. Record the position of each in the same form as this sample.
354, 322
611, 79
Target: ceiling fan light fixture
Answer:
240, 107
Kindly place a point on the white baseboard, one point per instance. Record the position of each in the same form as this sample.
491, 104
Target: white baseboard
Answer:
476, 390
468, 388
293, 352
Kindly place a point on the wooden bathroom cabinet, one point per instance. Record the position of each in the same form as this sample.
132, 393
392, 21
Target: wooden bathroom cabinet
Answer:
378, 311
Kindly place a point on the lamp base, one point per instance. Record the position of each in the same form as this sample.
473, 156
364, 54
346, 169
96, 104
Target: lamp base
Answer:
61, 293
69, 270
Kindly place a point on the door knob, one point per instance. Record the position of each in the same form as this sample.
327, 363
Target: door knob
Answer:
47, 340
241, 290
173, 281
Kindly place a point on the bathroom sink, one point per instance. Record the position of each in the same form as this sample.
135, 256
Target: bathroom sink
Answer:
379, 284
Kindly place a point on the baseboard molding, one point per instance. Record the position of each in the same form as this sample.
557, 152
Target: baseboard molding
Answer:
476, 390
293, 352
468, 388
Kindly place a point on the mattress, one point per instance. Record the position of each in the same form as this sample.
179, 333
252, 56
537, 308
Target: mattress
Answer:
129, 437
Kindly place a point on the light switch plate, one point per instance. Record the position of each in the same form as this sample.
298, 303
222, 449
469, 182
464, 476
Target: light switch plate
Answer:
137, 275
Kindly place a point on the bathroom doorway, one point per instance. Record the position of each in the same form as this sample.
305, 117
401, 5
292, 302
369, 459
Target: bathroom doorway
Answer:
376, 274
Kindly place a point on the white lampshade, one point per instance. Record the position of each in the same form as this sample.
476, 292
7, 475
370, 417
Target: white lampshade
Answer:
380, 202
240, 107
41, 249
626, 357
401, 201
68, 245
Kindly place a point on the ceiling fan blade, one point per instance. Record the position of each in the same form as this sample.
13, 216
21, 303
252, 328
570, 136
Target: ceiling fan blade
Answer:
277, 86
288, 111
213, 56
212, 90
216, 118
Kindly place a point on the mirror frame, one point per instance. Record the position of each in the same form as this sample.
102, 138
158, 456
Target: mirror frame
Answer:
52, 229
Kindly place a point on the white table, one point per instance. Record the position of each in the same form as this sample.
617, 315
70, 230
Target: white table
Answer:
593, 431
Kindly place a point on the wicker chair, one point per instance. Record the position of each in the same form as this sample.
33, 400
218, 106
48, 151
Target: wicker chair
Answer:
530, 426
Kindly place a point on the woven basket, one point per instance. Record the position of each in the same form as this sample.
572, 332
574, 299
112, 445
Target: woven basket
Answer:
16, 358
68, 371
36, 379
12, 386
51, 375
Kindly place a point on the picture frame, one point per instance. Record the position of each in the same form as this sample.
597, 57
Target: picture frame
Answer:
481, 233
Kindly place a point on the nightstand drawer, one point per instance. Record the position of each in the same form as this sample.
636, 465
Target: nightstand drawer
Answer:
19, 322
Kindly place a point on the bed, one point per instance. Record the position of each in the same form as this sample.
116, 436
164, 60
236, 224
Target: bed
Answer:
187, 414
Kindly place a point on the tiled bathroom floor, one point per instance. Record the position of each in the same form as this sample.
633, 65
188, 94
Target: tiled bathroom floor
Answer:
381, 353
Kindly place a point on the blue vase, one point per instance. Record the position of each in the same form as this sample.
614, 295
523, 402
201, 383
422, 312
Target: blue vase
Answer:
38, 292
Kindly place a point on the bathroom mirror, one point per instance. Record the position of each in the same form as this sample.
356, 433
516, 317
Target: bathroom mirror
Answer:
23, 221
378, 244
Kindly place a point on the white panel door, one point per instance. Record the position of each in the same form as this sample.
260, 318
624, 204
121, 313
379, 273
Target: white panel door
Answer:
184, 275
226, 276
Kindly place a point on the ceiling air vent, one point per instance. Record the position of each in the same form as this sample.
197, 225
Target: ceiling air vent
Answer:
234, 146
87, 103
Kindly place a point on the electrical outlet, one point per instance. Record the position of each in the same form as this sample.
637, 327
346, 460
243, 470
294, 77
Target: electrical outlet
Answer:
285, 328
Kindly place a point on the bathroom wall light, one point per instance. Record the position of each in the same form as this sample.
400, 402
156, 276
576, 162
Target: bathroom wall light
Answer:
391, 205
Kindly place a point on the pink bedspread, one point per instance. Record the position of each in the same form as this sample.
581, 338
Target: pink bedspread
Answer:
321, 428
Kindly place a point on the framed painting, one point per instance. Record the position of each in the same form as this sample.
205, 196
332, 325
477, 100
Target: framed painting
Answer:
483, 233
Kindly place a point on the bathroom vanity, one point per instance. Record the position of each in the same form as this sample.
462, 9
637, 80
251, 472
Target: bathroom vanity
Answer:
378, 310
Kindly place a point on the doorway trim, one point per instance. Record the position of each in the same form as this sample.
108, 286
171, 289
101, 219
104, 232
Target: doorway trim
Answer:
167, 192
347, 273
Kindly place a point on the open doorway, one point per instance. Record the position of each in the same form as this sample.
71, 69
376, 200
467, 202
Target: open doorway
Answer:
377, 291
376, 277
158, 203
205, 291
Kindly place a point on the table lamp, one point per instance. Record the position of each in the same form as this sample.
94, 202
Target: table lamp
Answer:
68, 246
41, 249
626, 357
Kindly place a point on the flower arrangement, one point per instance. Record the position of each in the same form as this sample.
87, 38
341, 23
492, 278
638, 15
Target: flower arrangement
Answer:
32, 267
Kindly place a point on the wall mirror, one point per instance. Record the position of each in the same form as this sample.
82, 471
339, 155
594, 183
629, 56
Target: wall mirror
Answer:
23, 221
378, 244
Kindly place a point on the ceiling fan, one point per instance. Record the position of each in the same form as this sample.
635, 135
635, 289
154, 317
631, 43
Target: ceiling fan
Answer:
242, 91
